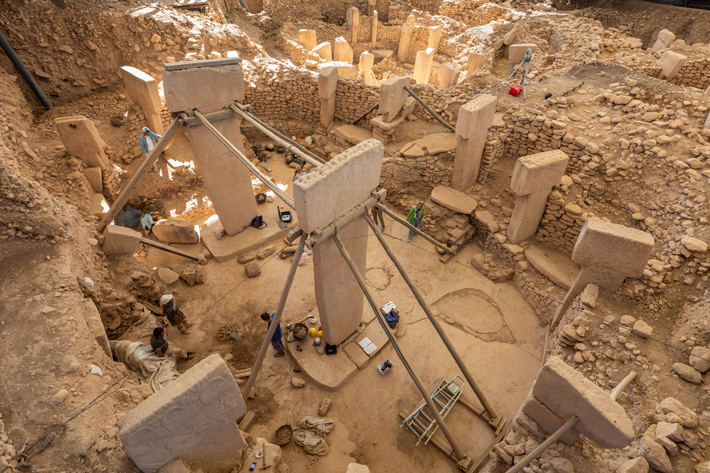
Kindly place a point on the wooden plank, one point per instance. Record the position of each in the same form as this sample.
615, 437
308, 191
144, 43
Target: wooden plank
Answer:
167, 248
140, 174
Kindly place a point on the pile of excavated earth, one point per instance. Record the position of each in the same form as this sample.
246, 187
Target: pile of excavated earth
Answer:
560, 152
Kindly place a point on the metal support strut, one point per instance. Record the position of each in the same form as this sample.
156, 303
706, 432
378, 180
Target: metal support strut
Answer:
544, 445
429, 109
361, 282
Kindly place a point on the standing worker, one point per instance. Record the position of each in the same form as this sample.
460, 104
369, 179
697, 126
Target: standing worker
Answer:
416, 215
276, 338
377, 212
163, 348
174, 315
147, 142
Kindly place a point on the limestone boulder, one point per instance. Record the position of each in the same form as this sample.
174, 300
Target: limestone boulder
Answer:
655, 455
694, 245
120, 240
454, 200
265, 252
687, 417
168, 276
252, 269
176, 231
642, 329
244, 258
59, 397
669, 430
561, 465
703, 467
637, 465
297, 382
357, 468
700, 359
688, 373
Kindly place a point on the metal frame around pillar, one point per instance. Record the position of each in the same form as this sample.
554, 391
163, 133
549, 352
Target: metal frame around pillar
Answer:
494, 420
277, 318
288, 200
432, 407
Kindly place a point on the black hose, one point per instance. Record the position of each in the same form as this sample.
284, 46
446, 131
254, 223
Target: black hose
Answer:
17, 62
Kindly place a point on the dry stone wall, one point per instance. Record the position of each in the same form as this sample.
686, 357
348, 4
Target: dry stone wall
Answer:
295, 97
352, 99
694, 73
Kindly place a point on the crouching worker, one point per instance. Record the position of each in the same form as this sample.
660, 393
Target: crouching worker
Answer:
163, 348
174, 315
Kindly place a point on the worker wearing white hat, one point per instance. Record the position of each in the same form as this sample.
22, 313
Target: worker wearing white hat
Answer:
174, 315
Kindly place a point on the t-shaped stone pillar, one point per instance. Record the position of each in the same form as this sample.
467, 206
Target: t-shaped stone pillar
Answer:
209, 86
533, 179
448, 76
307, 39
392, 97
321, 197
327, 85
193, 417
405, 38
342, 51
434, 38
665, 38
365, 66
353, 18
608, 253
143, 90
472, 125
375, 22
422, 66
475, 61
82, 139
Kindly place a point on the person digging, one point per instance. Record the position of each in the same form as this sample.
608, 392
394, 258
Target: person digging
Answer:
174, 315
276, 338
163, 348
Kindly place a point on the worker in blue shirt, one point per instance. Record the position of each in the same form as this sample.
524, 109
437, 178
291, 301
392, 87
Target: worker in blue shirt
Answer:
147, 142
276, 338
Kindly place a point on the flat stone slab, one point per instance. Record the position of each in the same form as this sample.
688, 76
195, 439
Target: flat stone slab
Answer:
250, 238
553, 264
382, 53
454, 200
437, 143
352, 134
567, 392
176, 231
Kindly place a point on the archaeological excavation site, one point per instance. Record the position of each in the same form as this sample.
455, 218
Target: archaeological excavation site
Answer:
385, 236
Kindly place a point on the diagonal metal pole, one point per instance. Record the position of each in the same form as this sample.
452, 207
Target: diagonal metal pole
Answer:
427, 397
253, 169
511, 74
429, 109
432, 319
277, 318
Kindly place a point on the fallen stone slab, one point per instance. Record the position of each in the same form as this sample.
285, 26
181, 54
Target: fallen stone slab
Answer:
567, 392
553, 264
437, 143
120, 240
176, 231
168, 276
454, 200
382, 53
352, 134
688, 373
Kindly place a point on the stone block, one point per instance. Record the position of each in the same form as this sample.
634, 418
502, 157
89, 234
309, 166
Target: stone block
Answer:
176, 231
547, 420
538, 172
475, 61
352, 16
567, 392
510, 36
93, 175
516, 52
96, 326
143, 90
474, 120
318, 196
642, 329
476, 116
553, 264
307, 39
527, 215
454, 200
434, 38
227, 180
670, 430
185, 89
82, 140
700, 359
99, 206
688, 418
448, 76
324, 50
120, 240
392, 97
637, 465
665, 38
342, 51
670, 63
193, 417
327, 85
613, 249
655, 455
422, 66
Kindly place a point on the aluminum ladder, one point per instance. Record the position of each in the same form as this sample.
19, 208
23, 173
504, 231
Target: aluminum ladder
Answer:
444, 396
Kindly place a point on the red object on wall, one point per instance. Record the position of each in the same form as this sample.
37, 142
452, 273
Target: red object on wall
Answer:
515, 90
